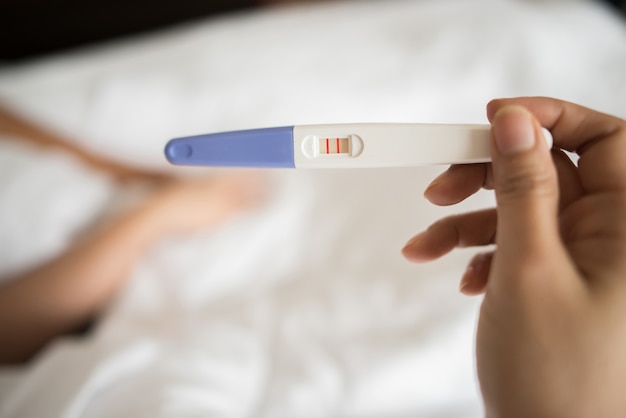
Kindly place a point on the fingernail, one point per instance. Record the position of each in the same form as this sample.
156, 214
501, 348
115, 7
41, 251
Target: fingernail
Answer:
514, 130
429, 190
467, 278
472, 282
412, 242
433, 185
408, 250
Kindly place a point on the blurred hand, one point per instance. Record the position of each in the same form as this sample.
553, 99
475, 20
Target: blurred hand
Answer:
552, 330
186, 205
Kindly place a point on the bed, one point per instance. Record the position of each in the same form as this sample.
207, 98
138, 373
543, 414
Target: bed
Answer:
302, 307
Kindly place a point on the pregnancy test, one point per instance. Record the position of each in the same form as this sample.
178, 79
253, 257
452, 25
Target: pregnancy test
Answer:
337, 146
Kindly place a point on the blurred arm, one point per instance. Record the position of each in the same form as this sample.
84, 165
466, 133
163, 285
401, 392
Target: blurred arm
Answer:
62, 295
17, 127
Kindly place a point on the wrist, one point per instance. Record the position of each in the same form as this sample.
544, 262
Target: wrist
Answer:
152, 219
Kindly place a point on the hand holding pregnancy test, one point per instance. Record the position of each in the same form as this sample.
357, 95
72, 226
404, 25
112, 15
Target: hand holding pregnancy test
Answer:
338, 146
551, 334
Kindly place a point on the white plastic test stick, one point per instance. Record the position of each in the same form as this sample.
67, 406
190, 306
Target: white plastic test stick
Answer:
338, 146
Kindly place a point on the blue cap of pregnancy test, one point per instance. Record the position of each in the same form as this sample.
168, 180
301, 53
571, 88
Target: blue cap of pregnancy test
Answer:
268, 147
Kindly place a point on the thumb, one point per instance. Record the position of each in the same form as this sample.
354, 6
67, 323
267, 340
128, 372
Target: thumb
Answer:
526, 188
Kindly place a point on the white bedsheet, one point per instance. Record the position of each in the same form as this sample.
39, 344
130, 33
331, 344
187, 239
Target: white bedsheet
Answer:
304, 306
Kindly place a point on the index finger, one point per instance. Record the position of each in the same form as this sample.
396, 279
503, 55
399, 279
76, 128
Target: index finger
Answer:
599, 139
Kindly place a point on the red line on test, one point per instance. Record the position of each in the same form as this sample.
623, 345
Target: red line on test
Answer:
337, 145
327, 146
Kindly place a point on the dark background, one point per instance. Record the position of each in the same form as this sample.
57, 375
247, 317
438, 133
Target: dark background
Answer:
31, 28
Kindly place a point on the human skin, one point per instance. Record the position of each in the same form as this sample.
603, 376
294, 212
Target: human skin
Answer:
552, 328
16, 126
65, 293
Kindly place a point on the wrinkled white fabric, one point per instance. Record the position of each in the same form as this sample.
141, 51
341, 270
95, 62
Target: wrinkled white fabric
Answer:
302, 307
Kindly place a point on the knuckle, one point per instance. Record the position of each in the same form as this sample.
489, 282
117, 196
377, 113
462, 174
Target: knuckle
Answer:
526, 181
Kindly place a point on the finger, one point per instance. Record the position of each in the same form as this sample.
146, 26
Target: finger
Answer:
461, 181
456, 184
572, 126
570, 188
526, 188
598, 138
470, 229
476, 275
489, 178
